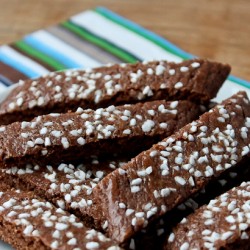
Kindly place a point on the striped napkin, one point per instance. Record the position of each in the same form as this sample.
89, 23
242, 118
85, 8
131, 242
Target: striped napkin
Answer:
89, 39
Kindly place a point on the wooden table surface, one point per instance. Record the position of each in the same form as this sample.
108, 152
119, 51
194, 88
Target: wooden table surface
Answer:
213, 29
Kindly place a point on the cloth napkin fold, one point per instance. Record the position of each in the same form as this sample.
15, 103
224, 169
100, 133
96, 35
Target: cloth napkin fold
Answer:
89, 39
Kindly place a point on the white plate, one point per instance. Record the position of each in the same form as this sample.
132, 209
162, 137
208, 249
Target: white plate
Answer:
227, 90
4, 246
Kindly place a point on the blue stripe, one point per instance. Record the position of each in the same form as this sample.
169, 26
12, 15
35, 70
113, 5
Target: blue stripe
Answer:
239, 81
18, 66
139, 28
67, 61
5, 80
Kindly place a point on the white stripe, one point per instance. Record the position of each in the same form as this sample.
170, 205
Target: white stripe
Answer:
65, 49
27, 62
122, 37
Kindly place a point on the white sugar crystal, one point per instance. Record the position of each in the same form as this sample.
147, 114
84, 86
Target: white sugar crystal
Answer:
47, 141
139, 214
191, 181
56, 133
92, 245
149, 170
226, 235
28, 230
171, 237
129, 211
195, 64
81, 141
99, 174
24, 135
135, 189
48, 124
19, 101
2, 129
30, 144
184, 246
150, 214
178, 85
171, 72
230, 219
84, 116
65, 142
11, 202
122, 205
173, 104
43, 131
72, 242
74, 132
209, 222
178, 160
148, 125
244, 236
153, 153
184, 69
136, 181
151, 112
134, 221
40, 101
39, 141
180, 180
61, 226
11, 105
243, 226
159, 70
127, 131
150, 71
206, 232
35, 233
32, 103
54, 244
147, 91
165, 192
132, 122
163, 125
11, 213
48, 224
121, 171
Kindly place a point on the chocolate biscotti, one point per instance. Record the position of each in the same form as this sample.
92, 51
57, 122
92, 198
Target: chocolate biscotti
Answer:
222, 224
197, 80
29, 222
56, 138
154, 236
161, 178
67, 186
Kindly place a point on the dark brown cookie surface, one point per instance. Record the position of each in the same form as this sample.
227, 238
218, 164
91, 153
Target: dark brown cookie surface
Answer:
197, 80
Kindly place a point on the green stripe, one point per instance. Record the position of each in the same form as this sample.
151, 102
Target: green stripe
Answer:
141, 34
40, 56
102, 43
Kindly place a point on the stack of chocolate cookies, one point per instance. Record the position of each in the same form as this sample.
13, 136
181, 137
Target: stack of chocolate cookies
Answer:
118, 156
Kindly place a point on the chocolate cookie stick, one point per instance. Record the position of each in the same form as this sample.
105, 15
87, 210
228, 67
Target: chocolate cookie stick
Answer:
154, 236
56, 138
197, 80
67, 186
29, 222
161, 178
222, 224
